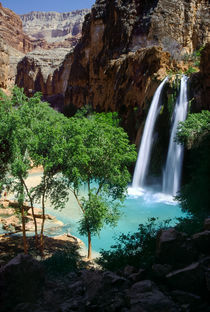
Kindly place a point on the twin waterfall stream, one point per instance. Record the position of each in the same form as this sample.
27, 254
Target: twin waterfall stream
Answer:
172, 172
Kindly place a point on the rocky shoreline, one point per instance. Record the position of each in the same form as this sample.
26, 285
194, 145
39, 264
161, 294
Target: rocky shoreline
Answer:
11, 240
11, 222
177, 281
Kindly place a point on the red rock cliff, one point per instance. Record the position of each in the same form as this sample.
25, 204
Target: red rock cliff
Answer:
123, 53
11, 31
116, 62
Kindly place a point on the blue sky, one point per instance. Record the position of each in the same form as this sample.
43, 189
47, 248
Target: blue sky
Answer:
25, 6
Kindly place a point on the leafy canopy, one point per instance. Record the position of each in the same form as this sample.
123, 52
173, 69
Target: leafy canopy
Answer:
195, 134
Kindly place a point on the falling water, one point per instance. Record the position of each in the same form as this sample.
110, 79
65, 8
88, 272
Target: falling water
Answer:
173, 169
147, 140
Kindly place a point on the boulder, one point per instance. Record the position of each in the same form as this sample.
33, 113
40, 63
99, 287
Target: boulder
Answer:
184, 297
161, 270
21, 280
93, 283
139, 276
202, 242
190, 279
207, 224
110, 278
175, 248
145, 296
128, 270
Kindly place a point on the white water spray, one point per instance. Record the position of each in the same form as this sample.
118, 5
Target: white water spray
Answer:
147, 140
173, 169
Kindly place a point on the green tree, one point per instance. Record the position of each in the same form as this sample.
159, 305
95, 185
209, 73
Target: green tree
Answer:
6, 130
195, 134
98, 155
13, 137
35, 137
46, 150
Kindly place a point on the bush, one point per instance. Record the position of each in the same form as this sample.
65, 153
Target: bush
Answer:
63, 262
195, 134
190, 225
136, 249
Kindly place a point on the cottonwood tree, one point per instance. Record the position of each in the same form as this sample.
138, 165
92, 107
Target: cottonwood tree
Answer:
35, 138
47, 151
98, 155
14, 137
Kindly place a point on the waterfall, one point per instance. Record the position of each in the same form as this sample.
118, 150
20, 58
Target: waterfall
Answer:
173, 169
147, 140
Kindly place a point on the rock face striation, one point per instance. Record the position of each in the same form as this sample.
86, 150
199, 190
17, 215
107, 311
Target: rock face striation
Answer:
126, 48
58, 29
43, 71
118, 58
48, 31
11, 31
4, 65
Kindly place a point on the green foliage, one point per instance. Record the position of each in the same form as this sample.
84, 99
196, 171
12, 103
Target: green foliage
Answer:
98, 154
194, 57
190, 71
64, 262
190, 225
98, 210
136, 249
35, 135
194, 129
195, 134
88, 149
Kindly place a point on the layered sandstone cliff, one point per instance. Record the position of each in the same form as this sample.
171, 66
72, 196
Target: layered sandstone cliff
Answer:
11, 31
4, 65
116, 63
57, 29
43, 71
123, 54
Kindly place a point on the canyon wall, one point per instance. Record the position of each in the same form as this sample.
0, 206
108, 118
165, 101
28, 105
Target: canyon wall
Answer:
57, 29
4, 65
117, 63
52, 31
126, 49
43, 71
200, 83
11, 31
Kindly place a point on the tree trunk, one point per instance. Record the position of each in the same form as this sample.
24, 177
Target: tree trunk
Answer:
89, 246
35, 225
25, 245
32, 210
42, 227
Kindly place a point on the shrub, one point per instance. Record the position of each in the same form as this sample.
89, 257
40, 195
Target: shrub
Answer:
136, 249
63, 262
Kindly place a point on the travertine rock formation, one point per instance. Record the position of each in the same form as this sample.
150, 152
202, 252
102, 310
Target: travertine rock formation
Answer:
58, 29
